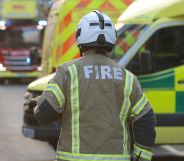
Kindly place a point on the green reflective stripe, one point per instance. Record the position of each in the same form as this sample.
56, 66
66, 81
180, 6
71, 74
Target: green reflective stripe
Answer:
74, 89
125, 108
91, 157
144, 153
139, 105
55, 89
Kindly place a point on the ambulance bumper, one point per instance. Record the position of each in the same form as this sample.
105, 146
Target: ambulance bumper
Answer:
9, 74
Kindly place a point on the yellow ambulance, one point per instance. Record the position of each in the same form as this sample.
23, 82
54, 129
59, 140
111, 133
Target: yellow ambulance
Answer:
150, 44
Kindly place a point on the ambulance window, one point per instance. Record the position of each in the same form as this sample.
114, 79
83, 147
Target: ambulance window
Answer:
162, 51
127, 37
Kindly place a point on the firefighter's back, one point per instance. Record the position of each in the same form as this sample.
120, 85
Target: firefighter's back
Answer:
96, 106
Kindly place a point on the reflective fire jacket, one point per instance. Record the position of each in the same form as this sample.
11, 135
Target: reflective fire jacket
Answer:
100, 102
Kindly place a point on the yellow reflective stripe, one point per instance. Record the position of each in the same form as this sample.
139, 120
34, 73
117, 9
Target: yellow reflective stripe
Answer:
69, 6
71, 28
56, 90
66, 8
144, 153
119, 51
125, 108
130, 39
74, 92
118, 5
70, 54
91, 157
139, 105
94, 5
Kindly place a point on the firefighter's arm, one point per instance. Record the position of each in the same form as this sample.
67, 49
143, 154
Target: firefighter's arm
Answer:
52, 101
143, 124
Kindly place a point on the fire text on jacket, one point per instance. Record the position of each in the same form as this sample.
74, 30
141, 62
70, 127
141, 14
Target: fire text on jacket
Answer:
102, 72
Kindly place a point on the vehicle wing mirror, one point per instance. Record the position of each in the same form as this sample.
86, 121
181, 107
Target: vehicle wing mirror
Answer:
146, 61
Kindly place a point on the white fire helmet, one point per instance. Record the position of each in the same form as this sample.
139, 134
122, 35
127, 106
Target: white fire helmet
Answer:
96, 30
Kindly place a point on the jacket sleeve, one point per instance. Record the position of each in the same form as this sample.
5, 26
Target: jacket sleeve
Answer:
143, 124
52, 101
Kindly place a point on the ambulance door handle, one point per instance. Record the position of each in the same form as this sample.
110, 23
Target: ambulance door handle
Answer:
181, 81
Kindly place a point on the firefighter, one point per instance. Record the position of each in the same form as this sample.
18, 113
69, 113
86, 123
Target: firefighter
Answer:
99, 100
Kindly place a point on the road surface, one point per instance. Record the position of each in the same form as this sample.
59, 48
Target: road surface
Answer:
13, 145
